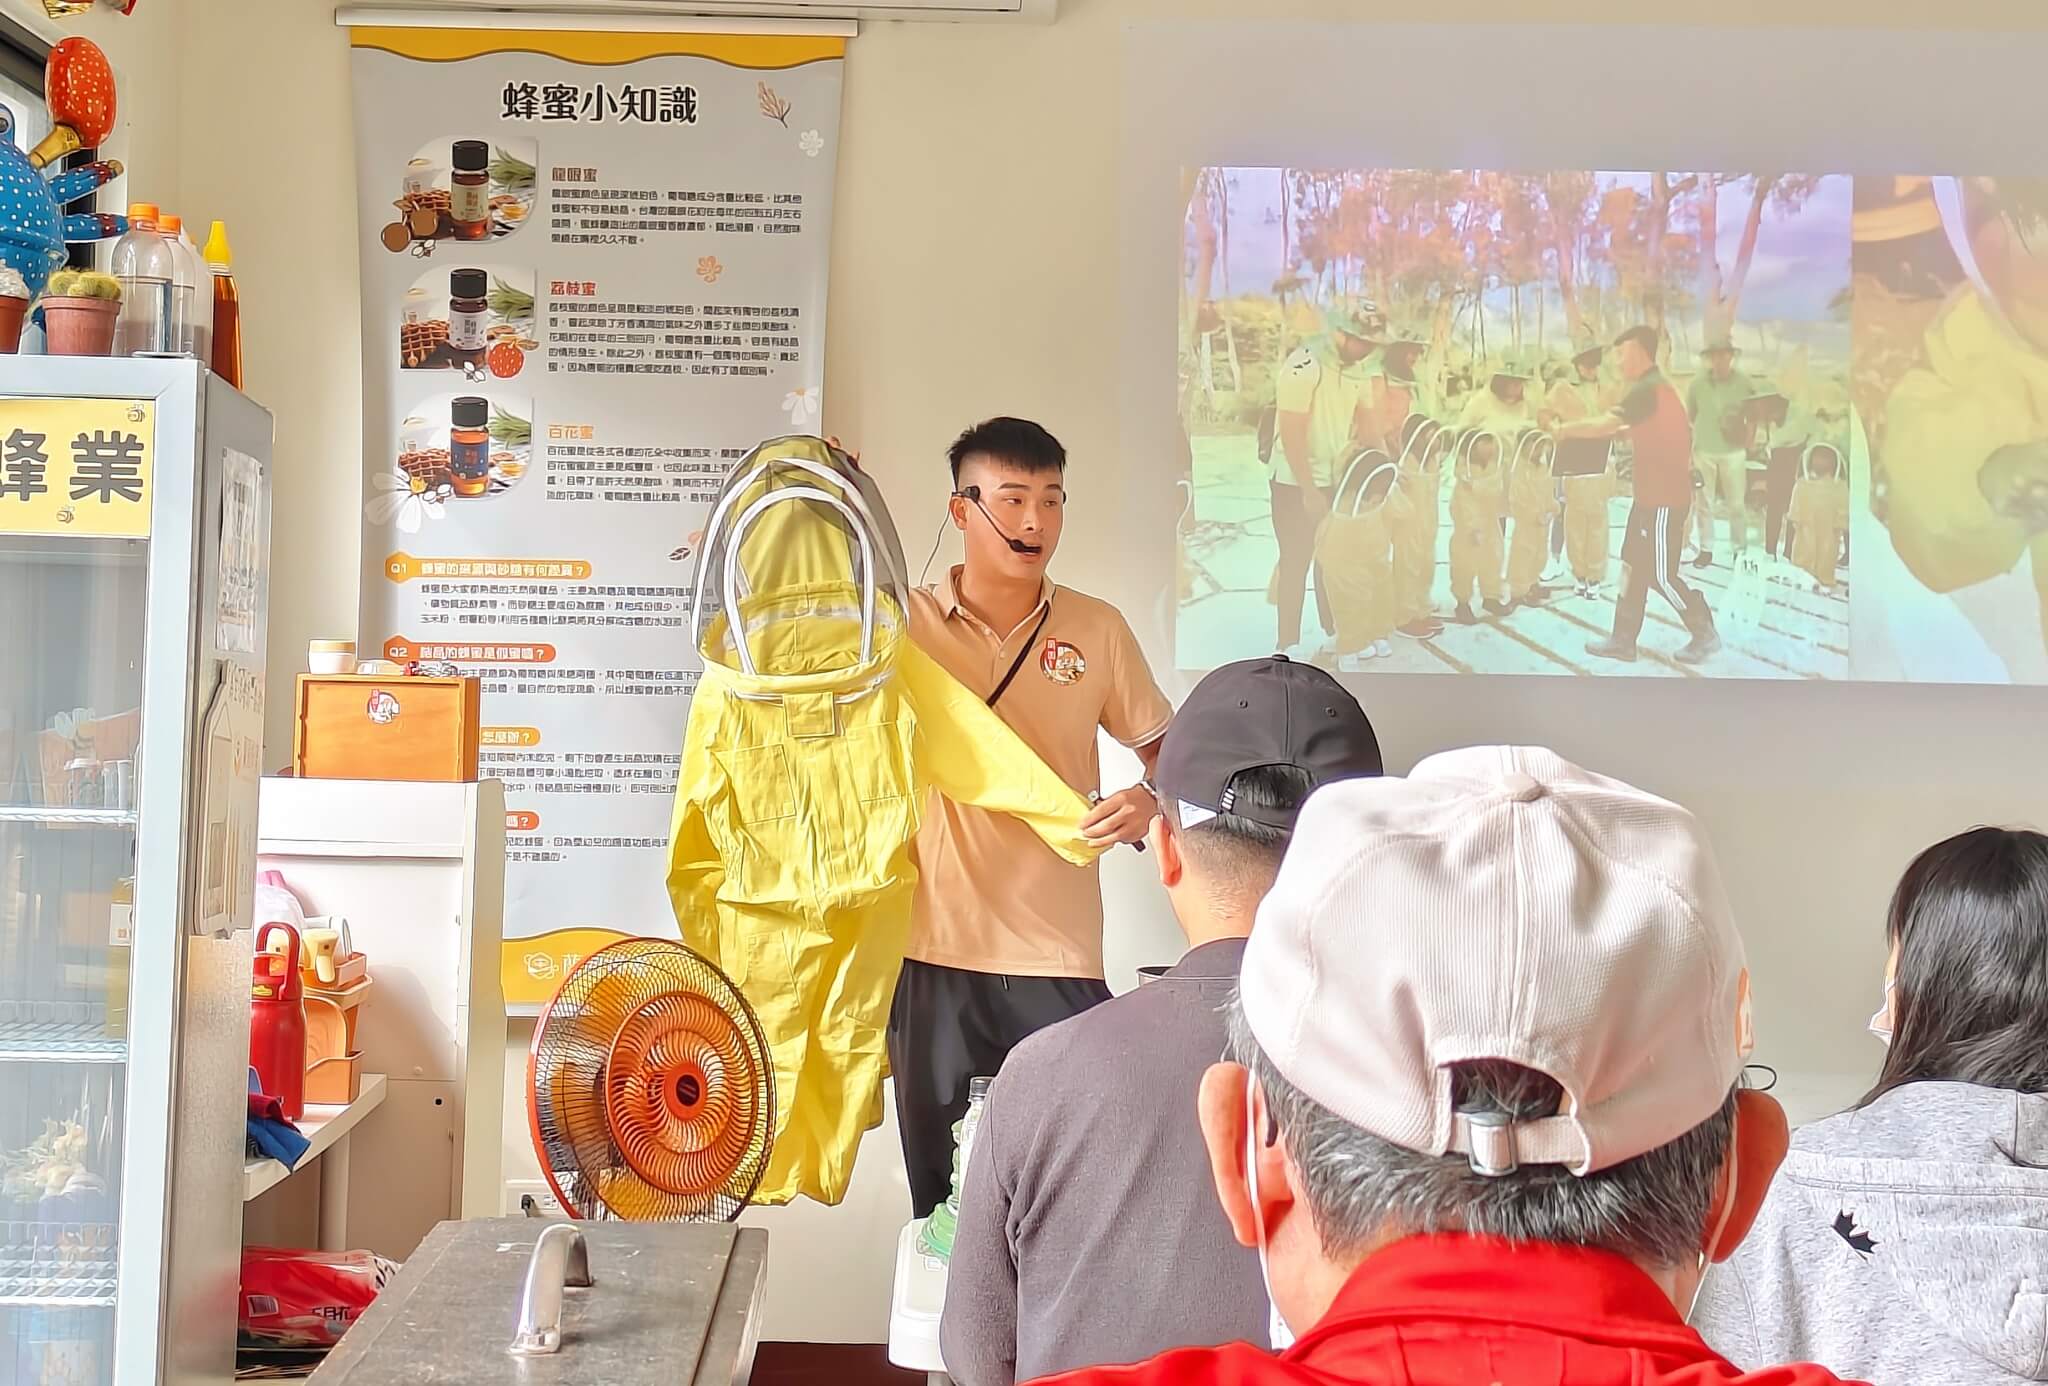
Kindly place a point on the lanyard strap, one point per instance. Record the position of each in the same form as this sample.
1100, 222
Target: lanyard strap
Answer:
1030, 644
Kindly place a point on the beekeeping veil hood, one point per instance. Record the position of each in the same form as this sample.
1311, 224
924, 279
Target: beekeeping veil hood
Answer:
801, 546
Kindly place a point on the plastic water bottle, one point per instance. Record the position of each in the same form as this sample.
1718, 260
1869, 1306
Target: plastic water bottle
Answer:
194, 291
977, 1103
147, 269
936, 1237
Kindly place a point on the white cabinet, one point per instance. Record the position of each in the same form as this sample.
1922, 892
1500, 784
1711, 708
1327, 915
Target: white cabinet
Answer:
418, 870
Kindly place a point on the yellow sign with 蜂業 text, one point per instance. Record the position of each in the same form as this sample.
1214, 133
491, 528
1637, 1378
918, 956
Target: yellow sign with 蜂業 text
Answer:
76, 466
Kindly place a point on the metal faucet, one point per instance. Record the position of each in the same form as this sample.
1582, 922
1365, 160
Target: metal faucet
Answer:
560, 1258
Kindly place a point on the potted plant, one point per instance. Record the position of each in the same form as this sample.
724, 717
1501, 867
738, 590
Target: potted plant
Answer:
79, 308
13, 308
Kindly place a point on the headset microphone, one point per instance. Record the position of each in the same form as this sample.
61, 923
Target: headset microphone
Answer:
972, 494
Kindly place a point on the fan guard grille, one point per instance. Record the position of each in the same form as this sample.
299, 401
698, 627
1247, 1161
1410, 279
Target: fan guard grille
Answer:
651, 1093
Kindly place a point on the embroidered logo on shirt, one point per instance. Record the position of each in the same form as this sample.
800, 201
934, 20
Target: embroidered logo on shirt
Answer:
1859, 1242
1062, 663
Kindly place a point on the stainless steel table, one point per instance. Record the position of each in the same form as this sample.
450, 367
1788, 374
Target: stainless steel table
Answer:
666, 1305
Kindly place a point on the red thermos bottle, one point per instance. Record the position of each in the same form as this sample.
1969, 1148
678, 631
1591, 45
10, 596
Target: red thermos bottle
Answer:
277, 1022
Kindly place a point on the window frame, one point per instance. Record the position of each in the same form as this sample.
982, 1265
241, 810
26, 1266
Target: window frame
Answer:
22, 53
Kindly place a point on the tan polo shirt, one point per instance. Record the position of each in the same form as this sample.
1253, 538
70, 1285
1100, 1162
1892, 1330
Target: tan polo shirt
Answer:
991, 897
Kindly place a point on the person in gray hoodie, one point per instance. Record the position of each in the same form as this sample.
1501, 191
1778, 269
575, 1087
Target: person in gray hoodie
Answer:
1905, 1241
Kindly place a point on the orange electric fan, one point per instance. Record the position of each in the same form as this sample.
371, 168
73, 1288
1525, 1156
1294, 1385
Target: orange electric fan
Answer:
650, 1089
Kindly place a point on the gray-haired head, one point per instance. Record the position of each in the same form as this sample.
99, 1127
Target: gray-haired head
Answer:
1362, 1190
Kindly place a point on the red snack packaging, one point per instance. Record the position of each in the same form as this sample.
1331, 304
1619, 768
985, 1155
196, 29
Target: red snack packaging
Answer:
306, 1299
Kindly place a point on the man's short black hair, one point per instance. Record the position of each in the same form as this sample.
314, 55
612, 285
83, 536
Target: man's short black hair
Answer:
1018, 443
1240, 854
1644, 336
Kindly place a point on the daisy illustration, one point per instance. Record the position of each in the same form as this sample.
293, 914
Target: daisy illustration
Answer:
803, 405
708, 268
812, 143
406, 499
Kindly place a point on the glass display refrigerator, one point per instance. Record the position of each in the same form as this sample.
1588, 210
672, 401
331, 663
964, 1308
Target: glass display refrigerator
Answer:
134, 536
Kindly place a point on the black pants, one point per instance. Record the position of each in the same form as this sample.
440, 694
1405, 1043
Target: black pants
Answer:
949, 1026
1651, 548
1778, 483
1296, 534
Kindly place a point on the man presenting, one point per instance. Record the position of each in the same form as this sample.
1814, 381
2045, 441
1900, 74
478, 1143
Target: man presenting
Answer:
1085, 1164
1005, 937
1483, 1118
1653, 418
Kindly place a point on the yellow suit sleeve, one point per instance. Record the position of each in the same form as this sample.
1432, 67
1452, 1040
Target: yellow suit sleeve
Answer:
972, 757
695, 868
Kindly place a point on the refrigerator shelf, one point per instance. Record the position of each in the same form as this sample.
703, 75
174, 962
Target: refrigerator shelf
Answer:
57, 1262
28, 1292
64, 1041
67, 817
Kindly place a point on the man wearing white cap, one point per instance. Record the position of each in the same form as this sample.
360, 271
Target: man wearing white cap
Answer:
1484, 1122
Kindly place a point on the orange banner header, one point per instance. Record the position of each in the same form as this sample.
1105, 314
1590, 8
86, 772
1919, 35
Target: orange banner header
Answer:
763, 51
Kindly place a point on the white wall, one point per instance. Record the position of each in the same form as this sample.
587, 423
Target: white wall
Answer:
147, 138
270, 149
981, 264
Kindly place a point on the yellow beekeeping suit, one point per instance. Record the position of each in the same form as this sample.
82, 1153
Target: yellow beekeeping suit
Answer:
1478, 501
811, 748
1820, 515
1532, 504
1421, 484
1355, 547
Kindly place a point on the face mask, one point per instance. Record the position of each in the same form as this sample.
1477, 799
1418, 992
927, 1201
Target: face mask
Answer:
1881, 1023
1276, 1327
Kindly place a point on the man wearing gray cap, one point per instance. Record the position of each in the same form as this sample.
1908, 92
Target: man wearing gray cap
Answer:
1483, 1119
1086, 1178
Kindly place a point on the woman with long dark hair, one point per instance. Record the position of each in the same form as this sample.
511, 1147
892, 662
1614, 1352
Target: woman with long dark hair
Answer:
1905, 1241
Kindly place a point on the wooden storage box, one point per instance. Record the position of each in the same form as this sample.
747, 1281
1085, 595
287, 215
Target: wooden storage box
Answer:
367, 727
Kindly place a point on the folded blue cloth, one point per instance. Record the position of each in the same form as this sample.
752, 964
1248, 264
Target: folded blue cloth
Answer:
269, 1132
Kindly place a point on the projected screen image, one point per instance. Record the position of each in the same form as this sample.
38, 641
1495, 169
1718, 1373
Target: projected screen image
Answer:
1642, 424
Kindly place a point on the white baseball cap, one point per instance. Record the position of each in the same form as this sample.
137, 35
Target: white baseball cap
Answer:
1501, 903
